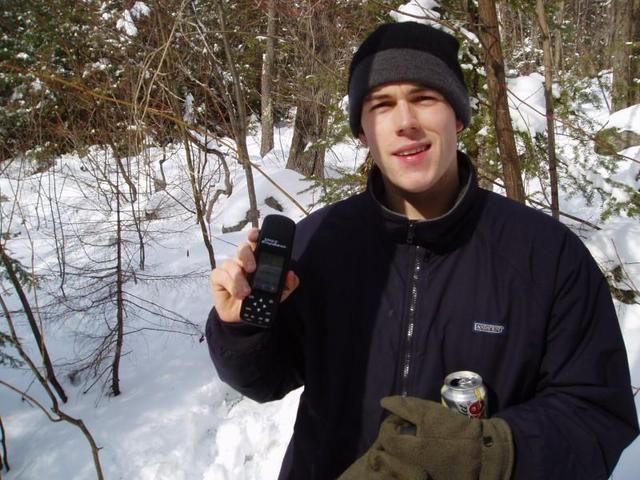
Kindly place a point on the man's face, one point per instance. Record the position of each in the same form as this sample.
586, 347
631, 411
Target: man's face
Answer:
411, 132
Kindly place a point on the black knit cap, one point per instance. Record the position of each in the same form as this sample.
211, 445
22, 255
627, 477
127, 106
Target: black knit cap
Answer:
410, 52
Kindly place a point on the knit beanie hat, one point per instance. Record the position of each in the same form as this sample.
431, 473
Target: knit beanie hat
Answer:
412, 52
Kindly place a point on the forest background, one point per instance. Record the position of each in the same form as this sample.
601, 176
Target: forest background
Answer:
138, 94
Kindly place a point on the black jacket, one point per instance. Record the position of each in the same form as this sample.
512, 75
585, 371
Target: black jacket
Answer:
389, 306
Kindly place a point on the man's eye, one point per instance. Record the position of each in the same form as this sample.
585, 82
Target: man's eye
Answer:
427, 98
379, 105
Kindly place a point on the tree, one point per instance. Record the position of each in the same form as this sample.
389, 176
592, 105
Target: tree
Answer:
625, 52
312, 107
238, 116
489, 34
101, 259
548, 96
118, 331
175, 76
60, 415
268, 71
14, 271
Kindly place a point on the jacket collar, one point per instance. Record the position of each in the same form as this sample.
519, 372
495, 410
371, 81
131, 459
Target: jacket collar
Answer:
440, 234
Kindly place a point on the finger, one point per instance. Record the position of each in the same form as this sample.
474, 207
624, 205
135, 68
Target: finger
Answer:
245, 257
383, 466
228, 308
233, 279
394, 425
403, 407
415, 410
439, 456
219, 281
406, 447
253, 235
291, 283
357, 471
240, 287
433, 419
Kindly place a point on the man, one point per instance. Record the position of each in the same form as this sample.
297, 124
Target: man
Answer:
422, 275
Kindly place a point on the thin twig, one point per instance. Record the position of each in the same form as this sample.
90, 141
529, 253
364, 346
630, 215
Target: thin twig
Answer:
31, 400
629, 281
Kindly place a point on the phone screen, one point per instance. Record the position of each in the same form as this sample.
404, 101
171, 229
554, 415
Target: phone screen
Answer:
268, 273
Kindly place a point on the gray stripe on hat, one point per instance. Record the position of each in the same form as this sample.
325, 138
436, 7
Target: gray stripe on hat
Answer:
406, 65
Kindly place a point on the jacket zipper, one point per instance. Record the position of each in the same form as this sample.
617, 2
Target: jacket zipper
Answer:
411, 319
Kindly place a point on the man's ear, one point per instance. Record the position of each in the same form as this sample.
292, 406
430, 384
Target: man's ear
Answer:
459, 126
362, 137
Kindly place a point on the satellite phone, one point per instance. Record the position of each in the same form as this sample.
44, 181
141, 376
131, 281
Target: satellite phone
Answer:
272, 254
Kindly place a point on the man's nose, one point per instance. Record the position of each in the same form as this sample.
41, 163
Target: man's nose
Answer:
406, 120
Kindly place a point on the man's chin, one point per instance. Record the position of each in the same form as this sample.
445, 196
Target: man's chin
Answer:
414, 189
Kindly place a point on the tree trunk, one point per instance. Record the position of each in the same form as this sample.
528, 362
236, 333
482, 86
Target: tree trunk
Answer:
196, 174
634, 74
115, 366
239, 120
198, 199
4, 458
309, 126
557, 37
46, 360
312, 114
268, 71
489, 34
624, 17
548, 97
228, 186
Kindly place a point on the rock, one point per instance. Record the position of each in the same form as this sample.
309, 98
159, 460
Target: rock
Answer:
238, 226
273, 203
610, 141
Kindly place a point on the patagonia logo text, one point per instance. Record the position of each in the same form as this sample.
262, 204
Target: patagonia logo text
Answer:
489, 328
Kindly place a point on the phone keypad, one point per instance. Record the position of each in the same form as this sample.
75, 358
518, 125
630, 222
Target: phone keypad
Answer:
259, 309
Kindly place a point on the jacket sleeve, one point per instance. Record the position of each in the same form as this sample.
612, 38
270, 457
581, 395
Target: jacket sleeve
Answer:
583, 414
263, 364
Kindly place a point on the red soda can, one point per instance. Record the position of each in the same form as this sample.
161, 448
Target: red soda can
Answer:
465, 393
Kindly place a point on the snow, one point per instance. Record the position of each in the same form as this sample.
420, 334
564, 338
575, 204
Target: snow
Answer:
188, 114
423, 11
617, 243
37, 85
420, 11
527, 105
140, 9
626, 119
175, 420
126, 24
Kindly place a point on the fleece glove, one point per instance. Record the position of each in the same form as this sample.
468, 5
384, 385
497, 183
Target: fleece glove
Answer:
423, 440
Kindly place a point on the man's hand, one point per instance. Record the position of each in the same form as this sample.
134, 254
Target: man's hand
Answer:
378, 464
445, 445
229, 283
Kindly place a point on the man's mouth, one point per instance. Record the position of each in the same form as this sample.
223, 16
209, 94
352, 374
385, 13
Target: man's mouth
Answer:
414, 150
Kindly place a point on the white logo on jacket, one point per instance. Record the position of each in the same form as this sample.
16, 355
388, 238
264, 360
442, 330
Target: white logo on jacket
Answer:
490, 328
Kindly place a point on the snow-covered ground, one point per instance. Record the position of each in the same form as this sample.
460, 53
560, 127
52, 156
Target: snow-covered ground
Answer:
175, 420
